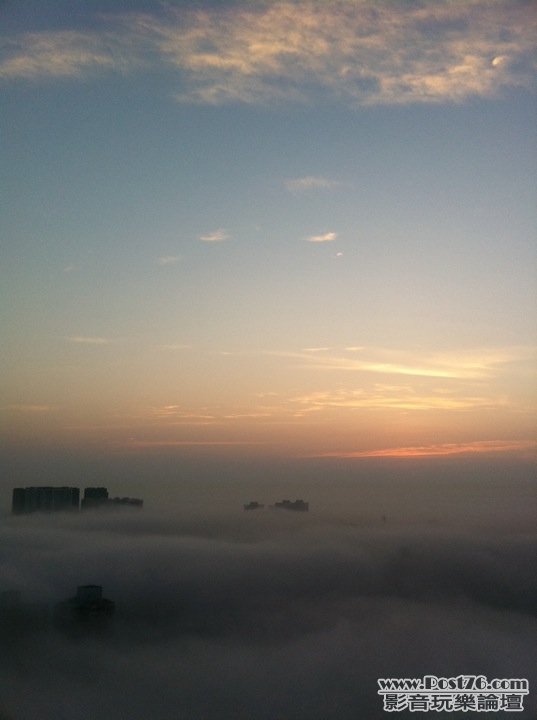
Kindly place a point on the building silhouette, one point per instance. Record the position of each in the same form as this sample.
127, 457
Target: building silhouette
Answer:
97, 497
297, 505
44, 499
94, 497
87, 609
253, 505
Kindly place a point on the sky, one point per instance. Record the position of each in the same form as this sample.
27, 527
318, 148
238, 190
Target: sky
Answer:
253, 250
285, 229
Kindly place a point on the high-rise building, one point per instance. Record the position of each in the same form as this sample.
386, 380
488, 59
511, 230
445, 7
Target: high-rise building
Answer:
297, 505
97, 497
87, 605
66, 498
18, 503
94, 497
44, 499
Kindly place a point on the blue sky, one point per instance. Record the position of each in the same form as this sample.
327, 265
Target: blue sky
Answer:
331, 205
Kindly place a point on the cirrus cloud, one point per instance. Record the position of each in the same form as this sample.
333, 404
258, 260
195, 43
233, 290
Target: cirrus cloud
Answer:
357, 52
365, 52
324, 237
310, 182
168, 260
89, 340
218, 235
65, 54
481, 447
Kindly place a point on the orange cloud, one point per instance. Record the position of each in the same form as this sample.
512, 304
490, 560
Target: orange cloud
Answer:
481, 447
139, 444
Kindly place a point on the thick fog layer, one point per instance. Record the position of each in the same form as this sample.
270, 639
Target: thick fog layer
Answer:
263, 615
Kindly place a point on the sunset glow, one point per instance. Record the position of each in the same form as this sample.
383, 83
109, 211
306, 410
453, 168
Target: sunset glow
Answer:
485, 447
291, 227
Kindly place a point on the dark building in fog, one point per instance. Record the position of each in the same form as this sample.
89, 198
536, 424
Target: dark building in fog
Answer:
44, 499
94, 497
87, 607
97, 497
56, 499
126, 502
18, 501
297, 505
253, 505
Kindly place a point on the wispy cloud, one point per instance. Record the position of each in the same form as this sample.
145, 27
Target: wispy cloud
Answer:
148, 444
481, 364
218, 235
310, 182
364, 381
323, 238
469, 364
481, 447
364, 52
361, 53
29, 408
89, 340
395, 398
65, 54
168, 260
179, 415
175, 346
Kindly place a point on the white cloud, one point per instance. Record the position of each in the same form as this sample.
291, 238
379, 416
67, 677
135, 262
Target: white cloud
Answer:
176, 346
325, 237
216, 236
310, 182
89, 340
168, 260
480, 364
64, 54
500, 60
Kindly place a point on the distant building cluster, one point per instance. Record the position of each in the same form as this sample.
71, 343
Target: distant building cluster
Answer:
44, 499
97, 497
297, 505
87, 611
94, 497
60, 499
253, 505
